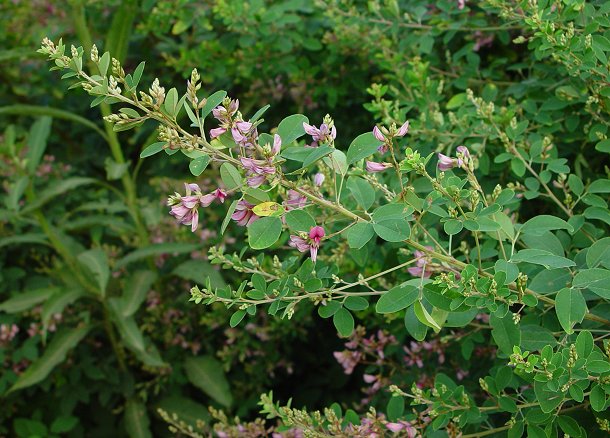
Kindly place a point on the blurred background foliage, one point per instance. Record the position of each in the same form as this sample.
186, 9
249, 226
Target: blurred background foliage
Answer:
97, 332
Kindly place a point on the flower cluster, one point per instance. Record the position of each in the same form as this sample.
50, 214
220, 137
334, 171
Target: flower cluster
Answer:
257, 170
461, 160
325, 134
186, 208
309, 242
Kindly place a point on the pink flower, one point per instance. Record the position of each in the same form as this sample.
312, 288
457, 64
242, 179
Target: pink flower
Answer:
243, 214
401, 425
422, 263
461, 4
373, 167
295, 200
463, 155
403, 130
348, 359
318, 179
185, 208
446, 163
217, 132
311, 242
323, 134
378, 135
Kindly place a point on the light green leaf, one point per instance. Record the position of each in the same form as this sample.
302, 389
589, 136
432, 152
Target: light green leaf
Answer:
37, 142
359, 234
96, 262
227, 219
362, 191
397, 298
570, 307
137, 287
599, 254
155, 250
299, 220
63, 341
597, 280
540, 224
291, 128
26, 300
199, 271
152, 149
137, 423
230, 176
264, 232
535, 337
344, 322
424, 317
542, 257
198, 165
453, 226
206, 373
363, 146
505, 333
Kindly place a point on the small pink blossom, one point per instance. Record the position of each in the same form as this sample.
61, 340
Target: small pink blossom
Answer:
217, 132
378, 135
446, 163
323, 134
295, 200
243, 214
403, 130
318, 179
311, 242
186, 208
461, 4
422, 263
374, 167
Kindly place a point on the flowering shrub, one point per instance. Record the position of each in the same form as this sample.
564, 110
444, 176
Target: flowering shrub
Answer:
438, 263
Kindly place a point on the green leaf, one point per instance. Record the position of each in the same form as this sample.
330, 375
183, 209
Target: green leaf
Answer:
185, 409
57, 303
37, 142
329, 309
212, 102
121, 28
156, 250
505, 333
337, 161
535, 337
257, 115
56, 189
264, 232
395, 408
424, 317
540, 224
137, 423
26, 300
291, 128
397, 298
299, 220
153, 149
227, 219
316, 154
171, 100
363, 146
362, 191
359, 234
230, 176
549, 400
453, 226
570, 307
206, 373
597, 398
237, 317
597, 280
413, 326
584, 344
96, 262
393, 229
199, 271
542, 257
136, 289
344, 322
63, 341
599, 254
356, 303
198, 165
599, 186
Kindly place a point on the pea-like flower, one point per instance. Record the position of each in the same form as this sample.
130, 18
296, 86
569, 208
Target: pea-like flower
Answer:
243, 214
258, 169
323, 134
224, 114
373, 167
385, 135
318, 179
186, 208
462, 160
310, 242
422, 264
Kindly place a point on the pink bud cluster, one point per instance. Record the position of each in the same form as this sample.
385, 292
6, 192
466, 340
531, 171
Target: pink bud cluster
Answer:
385, 136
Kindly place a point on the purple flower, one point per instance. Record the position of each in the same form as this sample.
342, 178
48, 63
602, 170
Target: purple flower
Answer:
373, 167
463, 155
243, 214
311, 242
446, 163
401, 425
277, 145
323, 134
461, 4
348, 359
318, 179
